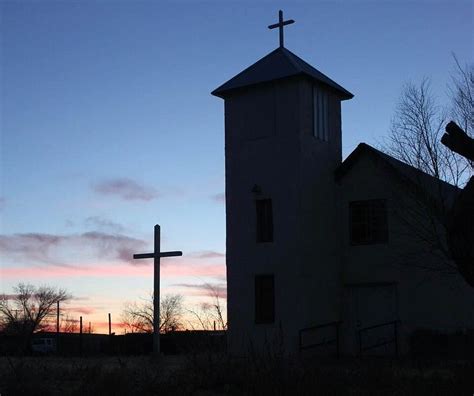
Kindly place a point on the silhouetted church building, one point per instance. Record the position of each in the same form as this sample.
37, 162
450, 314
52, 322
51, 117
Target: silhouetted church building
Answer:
314, 240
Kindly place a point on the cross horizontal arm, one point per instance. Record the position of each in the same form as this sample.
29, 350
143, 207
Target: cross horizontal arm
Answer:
144, 255
171, 254
162, 254
275, 25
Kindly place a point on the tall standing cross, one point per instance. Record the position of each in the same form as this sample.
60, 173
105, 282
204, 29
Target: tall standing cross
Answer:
156, 255
280, 25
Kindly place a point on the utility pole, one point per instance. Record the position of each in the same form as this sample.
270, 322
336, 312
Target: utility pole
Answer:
57, 326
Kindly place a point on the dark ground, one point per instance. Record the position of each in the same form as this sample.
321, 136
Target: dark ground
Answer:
216, 374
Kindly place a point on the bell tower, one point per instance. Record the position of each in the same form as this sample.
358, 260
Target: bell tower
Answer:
282, 146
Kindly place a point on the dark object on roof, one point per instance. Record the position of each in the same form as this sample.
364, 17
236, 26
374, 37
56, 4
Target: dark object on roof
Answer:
461, 232
278, 64
457, 140
461, 217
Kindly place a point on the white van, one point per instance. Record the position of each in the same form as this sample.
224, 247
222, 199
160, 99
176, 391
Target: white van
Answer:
43, 345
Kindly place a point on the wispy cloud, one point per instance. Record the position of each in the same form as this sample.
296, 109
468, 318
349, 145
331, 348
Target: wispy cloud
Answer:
219, 197
207, 254
205, 289
114, 246
126, 189
103, 224
74, 298
34, 247
68, 250
81, 310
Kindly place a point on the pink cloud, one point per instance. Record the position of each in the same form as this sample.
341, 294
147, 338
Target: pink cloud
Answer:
177, 269
126, 189
81, 310
103, 327
210, 270
207, 254
205, 289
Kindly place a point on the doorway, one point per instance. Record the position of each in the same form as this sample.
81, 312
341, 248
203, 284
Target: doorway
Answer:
371, 316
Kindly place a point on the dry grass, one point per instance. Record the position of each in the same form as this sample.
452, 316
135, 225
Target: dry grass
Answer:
217, 374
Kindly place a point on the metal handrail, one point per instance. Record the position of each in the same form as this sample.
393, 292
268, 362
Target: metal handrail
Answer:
393, 323
306, 329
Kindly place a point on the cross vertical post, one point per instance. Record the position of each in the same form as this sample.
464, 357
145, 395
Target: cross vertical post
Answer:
156, 292
280, 28
156, 256
280, 25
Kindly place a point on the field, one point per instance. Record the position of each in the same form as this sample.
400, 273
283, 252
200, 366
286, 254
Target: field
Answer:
217, 374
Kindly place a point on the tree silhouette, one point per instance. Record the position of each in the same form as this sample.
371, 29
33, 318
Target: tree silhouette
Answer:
28, 309
424, 205
138, 317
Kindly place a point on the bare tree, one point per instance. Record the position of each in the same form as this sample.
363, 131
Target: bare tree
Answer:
69, 324
202, 317
216, 306
138, 317
461, 91
29, 308
209, 312
415, 136
415, 139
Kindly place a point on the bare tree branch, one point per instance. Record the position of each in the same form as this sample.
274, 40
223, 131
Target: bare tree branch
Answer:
138, 317
29, 308
423, 204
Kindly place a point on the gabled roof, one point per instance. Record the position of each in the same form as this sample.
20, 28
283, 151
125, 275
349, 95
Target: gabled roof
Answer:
407, 172
280, 63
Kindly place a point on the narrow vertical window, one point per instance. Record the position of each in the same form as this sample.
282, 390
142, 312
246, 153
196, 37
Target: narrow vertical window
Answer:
320, 114
264, 220
264, 299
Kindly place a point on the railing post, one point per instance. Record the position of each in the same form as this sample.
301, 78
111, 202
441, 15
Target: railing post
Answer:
395, 328
360, 342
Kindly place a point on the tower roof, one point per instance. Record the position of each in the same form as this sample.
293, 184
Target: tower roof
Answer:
278, 64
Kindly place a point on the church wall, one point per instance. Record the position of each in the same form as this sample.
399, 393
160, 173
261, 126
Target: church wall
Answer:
295, 170
319, 265
425, 299
271, 163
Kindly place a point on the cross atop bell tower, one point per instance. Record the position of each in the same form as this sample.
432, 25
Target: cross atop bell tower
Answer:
282, 145
280, 25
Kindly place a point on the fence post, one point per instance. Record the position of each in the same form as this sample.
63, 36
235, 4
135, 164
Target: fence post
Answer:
80, 335
110, 334
360, 342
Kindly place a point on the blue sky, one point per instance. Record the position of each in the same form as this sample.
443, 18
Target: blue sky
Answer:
108, 125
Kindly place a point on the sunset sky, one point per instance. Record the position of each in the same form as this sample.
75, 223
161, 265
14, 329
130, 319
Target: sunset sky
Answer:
108, 126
